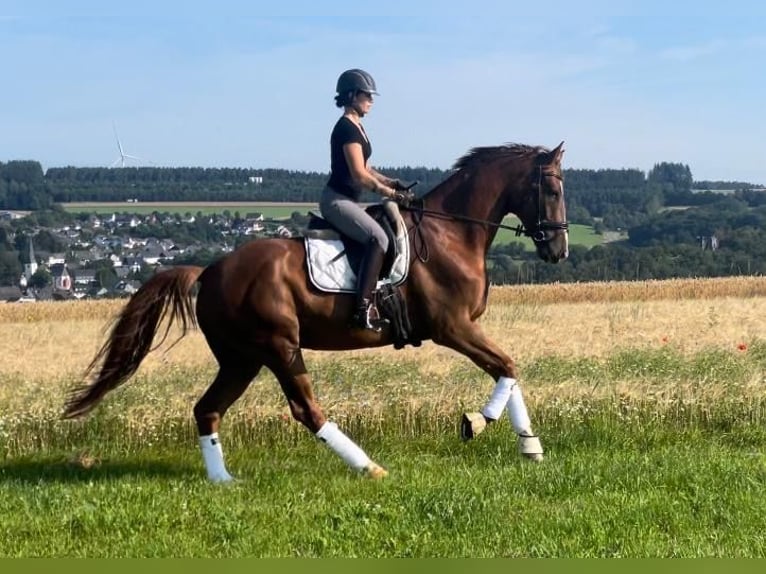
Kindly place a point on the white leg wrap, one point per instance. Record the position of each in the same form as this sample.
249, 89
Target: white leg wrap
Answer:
343, 446
517, 412
212, 454
500, 395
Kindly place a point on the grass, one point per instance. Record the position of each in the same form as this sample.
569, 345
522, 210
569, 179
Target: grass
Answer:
649, 399
583, 235
609, 488
650, 453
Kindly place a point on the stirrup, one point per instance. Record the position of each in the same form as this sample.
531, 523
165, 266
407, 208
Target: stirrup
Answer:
362, 319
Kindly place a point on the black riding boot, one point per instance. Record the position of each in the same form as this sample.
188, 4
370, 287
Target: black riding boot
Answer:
366, 315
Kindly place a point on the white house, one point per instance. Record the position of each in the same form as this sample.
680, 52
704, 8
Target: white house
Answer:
56, 259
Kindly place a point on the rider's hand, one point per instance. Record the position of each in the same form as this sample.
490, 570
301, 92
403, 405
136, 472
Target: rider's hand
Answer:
404, 198
398, 185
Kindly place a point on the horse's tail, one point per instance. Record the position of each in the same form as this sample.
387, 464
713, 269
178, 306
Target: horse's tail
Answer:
132, 335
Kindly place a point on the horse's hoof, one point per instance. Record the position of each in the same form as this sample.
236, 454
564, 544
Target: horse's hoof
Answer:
84, 459
472, 425
222, 478
531, 448
375, 471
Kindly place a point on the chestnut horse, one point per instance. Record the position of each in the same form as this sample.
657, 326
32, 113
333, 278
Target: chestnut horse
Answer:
256, 306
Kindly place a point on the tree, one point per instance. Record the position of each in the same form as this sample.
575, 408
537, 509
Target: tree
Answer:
106, 277
41, 278
10, 267
676, 176
4, 238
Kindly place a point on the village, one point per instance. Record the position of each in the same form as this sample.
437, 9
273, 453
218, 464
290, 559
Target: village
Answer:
110, 256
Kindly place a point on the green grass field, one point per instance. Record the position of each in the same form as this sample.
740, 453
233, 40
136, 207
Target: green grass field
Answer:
578, 235
676, 469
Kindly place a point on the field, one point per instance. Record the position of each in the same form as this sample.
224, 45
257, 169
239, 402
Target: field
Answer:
649, 397
579, 234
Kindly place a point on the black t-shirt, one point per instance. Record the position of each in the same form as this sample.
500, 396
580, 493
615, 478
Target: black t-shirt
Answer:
345, 131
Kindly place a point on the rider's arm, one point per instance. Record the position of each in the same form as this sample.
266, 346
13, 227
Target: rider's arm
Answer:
363, 176
384, 179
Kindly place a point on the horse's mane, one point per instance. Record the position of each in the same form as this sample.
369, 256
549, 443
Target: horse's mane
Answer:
480, 155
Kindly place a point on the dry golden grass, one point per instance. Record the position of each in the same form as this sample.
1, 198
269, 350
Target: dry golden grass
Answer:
46, 348
60, 311
609, 291
601, 292
47, 340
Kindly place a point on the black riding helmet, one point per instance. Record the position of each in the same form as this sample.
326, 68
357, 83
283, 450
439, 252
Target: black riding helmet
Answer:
355, 80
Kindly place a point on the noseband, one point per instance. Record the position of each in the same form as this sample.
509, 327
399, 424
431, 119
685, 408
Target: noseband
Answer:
537, 233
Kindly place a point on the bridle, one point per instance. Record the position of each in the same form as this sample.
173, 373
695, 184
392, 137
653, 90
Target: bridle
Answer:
536, 233
542, 225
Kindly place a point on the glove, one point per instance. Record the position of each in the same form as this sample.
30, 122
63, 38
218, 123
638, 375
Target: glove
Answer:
404, 198
399, 185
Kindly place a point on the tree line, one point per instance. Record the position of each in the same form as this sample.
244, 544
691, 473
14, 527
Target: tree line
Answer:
608, 195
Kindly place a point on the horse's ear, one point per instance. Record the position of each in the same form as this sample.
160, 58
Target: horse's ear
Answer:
554, 156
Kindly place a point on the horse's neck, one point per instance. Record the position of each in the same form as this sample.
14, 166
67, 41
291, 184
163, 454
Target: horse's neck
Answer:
474, 198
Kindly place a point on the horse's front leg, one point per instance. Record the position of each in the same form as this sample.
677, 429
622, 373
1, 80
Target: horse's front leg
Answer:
471, 342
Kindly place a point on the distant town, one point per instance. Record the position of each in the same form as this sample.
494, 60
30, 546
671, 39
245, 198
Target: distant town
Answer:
104, 256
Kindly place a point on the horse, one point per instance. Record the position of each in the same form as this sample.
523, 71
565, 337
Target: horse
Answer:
257, 307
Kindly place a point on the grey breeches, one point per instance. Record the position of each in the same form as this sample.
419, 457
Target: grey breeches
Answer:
351, 219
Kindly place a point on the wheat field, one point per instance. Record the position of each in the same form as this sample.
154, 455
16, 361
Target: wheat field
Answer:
47, 347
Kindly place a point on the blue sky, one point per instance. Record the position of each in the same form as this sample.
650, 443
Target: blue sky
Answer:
250, 84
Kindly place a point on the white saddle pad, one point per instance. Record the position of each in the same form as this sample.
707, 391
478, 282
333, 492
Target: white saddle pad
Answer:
329, 268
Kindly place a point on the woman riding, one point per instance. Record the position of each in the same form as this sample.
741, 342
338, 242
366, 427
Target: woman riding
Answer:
350, 175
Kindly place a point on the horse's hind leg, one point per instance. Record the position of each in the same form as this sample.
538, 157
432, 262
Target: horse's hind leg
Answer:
227, 387
296, 385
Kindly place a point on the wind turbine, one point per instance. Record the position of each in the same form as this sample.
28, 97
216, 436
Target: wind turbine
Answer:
123, 156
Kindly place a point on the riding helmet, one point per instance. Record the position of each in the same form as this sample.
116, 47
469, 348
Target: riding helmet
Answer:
355, 80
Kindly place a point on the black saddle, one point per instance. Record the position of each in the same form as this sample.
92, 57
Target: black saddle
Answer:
319, 228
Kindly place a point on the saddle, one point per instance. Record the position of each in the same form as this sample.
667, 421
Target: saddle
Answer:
333, 262
333, 259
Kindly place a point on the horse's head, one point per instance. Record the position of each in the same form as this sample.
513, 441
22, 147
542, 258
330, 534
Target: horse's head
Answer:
542, 209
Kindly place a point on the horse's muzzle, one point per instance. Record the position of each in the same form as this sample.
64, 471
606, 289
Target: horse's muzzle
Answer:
554, 249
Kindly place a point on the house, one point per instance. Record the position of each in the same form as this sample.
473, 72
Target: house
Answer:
82, 257
152, 255
56, 259
132, 263
85, 277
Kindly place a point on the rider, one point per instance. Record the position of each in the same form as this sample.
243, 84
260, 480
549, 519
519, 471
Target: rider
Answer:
350, 175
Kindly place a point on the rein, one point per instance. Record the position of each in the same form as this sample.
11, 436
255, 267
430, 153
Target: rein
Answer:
537, 234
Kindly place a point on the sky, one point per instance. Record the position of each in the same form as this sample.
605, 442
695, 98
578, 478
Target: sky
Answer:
250, 84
